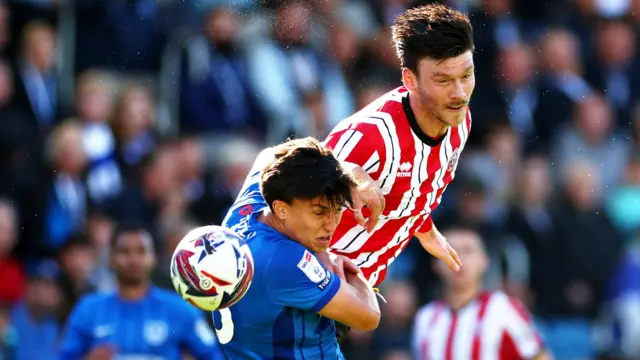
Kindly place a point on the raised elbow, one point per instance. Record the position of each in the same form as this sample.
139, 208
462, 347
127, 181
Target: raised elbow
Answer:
368, 322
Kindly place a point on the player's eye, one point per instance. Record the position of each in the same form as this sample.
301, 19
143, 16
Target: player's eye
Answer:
467, 76
443, 81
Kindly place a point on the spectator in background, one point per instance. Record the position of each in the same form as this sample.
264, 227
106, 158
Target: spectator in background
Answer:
77, 261
13, 281
36, 78
133, 126
514, 96
139, 319
592, 135
469, 323
99, 230
562, 84
22, 162
530, 220
615, 70
622, 204
288, 75
36, 319
94, 105
586, 248
66, 197
215, 81
146, 196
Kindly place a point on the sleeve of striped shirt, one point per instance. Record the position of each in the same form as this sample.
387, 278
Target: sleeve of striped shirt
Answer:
521, 338
360, 144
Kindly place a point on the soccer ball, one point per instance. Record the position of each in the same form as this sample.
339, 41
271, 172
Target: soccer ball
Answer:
212, 268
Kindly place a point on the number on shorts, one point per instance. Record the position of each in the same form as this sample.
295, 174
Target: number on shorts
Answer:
225, 333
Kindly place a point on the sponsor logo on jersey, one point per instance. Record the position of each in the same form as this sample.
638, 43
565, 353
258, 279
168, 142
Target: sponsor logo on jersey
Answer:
311, 267
453, 163
404, 169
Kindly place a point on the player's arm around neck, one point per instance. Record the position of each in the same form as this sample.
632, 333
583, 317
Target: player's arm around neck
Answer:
355, 304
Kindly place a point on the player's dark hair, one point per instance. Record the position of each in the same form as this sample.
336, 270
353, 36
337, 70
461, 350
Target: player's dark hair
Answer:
431, 31
303, 169
125, 228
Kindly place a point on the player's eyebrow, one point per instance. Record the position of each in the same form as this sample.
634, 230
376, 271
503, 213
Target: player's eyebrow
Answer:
445, 75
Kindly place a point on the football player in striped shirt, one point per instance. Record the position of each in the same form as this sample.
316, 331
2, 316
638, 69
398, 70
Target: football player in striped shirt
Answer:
472, 324
408, 142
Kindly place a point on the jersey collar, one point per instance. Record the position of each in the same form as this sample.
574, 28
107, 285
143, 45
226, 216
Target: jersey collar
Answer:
411, 117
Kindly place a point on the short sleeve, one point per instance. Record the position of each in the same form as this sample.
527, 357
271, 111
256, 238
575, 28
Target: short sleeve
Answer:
362, 145
296, 278
76, 339
520, 335
197, 336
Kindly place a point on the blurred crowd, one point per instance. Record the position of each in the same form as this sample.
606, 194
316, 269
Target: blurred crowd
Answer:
153, 110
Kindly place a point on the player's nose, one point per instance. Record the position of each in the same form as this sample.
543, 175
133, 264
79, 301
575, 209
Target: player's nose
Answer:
331, 223
458, 92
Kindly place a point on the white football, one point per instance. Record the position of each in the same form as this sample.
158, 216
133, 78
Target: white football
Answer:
212, 268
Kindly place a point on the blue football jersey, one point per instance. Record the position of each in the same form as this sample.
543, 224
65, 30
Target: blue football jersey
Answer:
277, 318
158, 327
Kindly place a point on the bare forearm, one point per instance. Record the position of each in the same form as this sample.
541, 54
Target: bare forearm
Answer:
364, 290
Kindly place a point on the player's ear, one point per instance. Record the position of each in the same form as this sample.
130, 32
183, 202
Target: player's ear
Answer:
409, 79
280, 209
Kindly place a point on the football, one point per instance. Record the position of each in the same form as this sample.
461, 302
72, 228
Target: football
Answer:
212, 268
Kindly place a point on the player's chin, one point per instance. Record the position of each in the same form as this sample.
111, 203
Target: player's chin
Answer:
322, 243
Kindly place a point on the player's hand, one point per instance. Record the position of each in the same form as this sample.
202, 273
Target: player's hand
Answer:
102, 352
368, 194
436, 244
337, 264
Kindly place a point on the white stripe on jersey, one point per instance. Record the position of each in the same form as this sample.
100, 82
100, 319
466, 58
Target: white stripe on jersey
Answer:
387, 130
418, 175
346, 144
356, 237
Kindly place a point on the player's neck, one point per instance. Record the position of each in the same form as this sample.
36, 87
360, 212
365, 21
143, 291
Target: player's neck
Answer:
429, 124
133, 292
459, 298
269, 218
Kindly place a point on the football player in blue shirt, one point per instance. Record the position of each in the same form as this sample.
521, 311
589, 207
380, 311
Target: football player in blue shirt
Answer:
287, 211
139, 321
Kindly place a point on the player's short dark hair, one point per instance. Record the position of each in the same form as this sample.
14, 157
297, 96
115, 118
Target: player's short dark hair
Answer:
431, 31
304, 169
126, 227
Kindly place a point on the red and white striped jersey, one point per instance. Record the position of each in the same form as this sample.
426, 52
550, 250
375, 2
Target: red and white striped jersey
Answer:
412, 170
492, 327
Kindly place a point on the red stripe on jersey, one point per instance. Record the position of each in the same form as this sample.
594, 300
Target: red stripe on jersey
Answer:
448, 350
383, 260
477, 339
365, 147
508, 348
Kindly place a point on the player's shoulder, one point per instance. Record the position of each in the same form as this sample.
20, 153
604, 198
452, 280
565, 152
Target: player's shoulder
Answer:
430, 309
288, 255
90, 302
172, 301
383, 112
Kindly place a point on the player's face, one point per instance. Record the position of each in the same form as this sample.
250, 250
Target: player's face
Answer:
133, 258
445, 87
312, 223
473, 256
